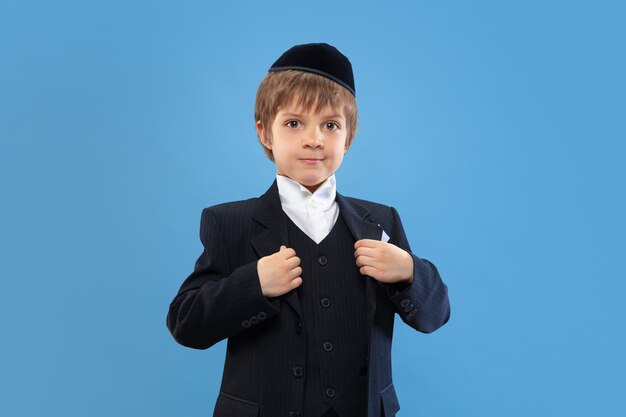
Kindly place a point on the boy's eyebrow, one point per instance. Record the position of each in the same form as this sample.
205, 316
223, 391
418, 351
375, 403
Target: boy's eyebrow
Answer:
328, 116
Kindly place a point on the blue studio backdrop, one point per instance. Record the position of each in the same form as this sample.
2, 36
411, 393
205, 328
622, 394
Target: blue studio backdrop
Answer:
496, 129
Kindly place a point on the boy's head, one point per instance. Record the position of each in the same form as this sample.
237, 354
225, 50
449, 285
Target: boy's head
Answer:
306, 113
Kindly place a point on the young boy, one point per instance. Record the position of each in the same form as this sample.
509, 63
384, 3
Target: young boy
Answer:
305, 282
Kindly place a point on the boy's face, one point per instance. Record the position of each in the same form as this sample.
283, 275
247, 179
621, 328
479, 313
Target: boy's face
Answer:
308, 146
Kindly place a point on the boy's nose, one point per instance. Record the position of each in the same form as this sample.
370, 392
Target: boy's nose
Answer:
313, 139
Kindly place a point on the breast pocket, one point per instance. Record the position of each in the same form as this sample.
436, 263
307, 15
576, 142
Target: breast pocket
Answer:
230, 406
390, 401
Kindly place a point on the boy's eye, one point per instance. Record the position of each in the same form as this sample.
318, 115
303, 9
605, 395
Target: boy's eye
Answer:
332, 126
293, 123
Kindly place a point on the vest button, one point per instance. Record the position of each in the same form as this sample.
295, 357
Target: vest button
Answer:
328, 346
253, 320
298, 371
245, 323
262, 315
298, 327
330, 392
325, 302
294, 414
322, 260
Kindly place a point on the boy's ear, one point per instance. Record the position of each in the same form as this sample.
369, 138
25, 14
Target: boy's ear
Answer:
261, 132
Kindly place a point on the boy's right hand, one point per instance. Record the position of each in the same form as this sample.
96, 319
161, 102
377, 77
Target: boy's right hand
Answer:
280, 272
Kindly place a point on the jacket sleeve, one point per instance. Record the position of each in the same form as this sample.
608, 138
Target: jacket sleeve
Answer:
215, 303
422, 304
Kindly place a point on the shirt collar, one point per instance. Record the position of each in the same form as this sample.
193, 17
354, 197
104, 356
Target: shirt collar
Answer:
294, 194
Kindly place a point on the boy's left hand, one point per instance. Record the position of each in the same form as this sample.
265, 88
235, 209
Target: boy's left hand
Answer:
383, 261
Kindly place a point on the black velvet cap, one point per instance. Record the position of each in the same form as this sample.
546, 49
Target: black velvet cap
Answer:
318, 58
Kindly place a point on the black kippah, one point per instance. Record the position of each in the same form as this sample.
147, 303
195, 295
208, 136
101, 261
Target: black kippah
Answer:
319, 58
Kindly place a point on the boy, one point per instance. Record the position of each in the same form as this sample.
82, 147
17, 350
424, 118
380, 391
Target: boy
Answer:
303, 281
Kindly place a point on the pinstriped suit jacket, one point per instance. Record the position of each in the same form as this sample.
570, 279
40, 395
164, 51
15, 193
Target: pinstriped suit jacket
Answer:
222, 299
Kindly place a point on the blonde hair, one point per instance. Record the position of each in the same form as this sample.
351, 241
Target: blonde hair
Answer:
280, 88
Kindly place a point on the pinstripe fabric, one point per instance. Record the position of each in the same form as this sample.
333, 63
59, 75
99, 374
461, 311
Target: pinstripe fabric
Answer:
332, 299
222, 299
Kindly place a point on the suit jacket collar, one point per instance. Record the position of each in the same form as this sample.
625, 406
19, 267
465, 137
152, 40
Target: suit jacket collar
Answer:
268, 213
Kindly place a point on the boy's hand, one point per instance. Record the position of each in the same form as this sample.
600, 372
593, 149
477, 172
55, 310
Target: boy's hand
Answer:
280, 272
383, 261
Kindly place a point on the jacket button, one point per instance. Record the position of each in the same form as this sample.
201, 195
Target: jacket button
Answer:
408, 308
328, 346
325, 302
411, 313
245, 323
330, 392
294, 413
404, 302
261, 315
298, 371
298, 327
322, 260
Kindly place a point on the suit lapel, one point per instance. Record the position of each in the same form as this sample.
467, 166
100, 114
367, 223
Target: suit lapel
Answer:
356, 217
268, 213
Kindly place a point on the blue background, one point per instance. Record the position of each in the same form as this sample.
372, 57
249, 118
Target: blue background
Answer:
497, 129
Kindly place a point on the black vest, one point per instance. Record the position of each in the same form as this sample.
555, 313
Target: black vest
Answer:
332, 299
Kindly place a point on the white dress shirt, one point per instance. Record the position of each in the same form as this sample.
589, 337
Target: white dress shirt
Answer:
315, 214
